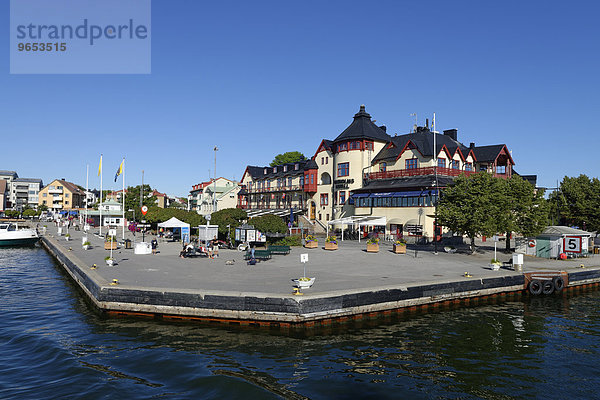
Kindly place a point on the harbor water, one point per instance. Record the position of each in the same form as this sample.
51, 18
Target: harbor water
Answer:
53, 344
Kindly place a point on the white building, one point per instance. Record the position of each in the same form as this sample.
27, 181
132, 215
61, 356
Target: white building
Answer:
215, 195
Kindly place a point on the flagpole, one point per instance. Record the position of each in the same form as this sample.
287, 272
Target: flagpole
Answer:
100, 195
123, 198
87, 179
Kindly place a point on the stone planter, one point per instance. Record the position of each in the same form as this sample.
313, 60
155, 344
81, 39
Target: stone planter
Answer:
331, 246
373, 248
109, 245
110, 262
399, 249
312, 244
495, 267
86, 246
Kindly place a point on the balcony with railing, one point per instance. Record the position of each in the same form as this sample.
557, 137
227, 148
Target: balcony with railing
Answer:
275, 189
403, 173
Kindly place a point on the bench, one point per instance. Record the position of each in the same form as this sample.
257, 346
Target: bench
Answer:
284, 250
259, 255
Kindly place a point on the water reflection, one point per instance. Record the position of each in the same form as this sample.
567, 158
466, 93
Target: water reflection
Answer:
512, 349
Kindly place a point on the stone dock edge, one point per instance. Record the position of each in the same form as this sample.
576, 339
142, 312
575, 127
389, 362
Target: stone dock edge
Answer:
286, 311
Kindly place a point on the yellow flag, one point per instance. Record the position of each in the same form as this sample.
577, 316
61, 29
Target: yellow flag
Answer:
119, 170
100, 166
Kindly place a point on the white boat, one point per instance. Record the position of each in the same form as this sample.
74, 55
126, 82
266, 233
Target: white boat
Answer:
303, 282
11, 235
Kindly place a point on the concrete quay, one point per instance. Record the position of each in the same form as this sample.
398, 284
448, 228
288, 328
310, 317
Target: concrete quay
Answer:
350, 283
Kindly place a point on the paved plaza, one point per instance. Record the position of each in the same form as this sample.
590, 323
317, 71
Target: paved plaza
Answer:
346, 270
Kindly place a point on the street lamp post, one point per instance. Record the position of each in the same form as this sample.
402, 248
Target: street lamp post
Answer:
215, 186
132, 210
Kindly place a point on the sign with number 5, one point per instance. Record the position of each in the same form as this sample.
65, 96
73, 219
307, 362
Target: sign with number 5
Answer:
572, 244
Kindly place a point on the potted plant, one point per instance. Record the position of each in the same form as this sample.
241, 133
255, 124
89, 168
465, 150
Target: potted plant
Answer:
110, 243
86, 245
68, 237
304, 282
311, 242
495, 264
399, 247
331, 243
373, 245
109, 261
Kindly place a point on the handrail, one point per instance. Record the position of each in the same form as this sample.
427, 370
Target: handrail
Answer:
400, 173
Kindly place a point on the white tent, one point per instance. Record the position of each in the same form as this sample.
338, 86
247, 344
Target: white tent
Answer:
175, 223
367, 220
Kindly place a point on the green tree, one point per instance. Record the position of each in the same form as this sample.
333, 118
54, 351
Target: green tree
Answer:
269, 224
132, 201
474, 205
156, 215
288, 157
233, 217
42, 207
30, 212
11, 213
527, 210
577, 202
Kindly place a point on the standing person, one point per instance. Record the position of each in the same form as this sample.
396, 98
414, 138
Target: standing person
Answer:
209, 247
215, 246
154, 244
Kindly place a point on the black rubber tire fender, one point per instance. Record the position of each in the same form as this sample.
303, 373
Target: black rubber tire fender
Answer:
559, 283
547, 287
535, 287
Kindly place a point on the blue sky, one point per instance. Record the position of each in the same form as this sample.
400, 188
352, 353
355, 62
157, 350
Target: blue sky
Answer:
261, 78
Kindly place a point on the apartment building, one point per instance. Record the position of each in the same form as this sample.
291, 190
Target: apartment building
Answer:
366, 172
61, 195
214, 195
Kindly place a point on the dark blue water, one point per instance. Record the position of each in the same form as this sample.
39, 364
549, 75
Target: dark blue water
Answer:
53, 345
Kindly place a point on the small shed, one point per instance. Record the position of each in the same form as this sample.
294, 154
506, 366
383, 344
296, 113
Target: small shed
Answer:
562, 239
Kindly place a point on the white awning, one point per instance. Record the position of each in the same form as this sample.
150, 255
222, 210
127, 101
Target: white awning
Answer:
366, 220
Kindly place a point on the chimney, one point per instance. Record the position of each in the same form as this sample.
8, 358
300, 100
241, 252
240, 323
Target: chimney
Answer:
426, 122
451, 133
384, 128
471, 145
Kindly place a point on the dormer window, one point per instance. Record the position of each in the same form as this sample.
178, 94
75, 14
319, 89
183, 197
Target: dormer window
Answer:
296, 166
265, 171
285, 168
274, 169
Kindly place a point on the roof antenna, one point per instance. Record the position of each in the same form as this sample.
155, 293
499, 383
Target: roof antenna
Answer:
415, 126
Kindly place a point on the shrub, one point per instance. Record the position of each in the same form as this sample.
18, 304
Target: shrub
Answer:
310, 238
294, 240
331, 239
